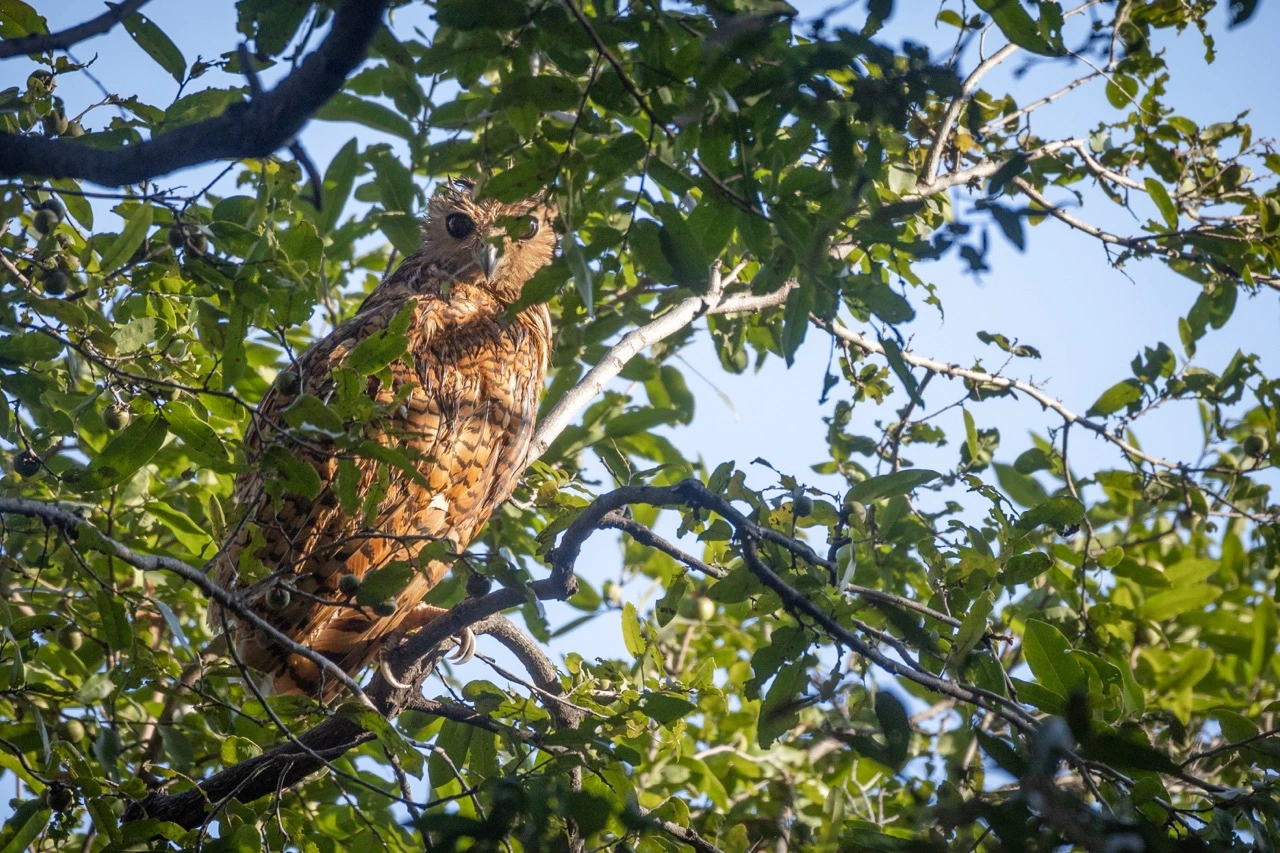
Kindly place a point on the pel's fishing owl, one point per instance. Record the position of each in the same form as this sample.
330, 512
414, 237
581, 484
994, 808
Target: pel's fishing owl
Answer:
460, 403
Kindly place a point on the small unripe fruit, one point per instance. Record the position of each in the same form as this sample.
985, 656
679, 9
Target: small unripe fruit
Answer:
55, 282
70, 638
385, 608
54, 205
277, 598
197, 244
72, 731
74, 129
802, 505
44, 221
116, 417
177, 237
1255, 445
349, 584
60, 797
706, 609
26, 463
40, 80
166, 392
55, 123
478, 585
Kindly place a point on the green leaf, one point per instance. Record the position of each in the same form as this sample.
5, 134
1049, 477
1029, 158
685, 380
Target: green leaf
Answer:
25, 824
138, 333
388, 737
665, 610
158, 46
1179, 600
18, 19
1058, 512
132, 448
971, 434
972, 628
1023, 568
384, 583
545, 92
1118, 396
385, 345
874, 489
665, 708
297, 475
631, 633
338, 181
1017, 25
779, 712
1047, 653
1143, 574
1163, 202
582, 279
115, 622
347, 107
893, 354
135, 231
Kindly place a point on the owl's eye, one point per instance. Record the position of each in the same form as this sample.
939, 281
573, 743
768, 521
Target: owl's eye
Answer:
533, 229
459, 225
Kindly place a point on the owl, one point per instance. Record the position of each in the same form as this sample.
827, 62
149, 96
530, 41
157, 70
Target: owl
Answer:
460, 403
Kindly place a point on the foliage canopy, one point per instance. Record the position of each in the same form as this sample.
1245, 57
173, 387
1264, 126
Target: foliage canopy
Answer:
1003, 652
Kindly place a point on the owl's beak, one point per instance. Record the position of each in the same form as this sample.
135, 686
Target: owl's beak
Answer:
489, 257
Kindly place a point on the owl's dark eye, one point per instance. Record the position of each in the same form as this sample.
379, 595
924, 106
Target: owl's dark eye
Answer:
459, 225
533, 229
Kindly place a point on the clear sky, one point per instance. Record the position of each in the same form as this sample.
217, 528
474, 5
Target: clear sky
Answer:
1060, 296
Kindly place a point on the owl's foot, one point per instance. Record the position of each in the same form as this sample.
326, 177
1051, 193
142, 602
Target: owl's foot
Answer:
423, 614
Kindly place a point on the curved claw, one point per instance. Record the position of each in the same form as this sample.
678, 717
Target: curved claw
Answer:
466, 649
390, 679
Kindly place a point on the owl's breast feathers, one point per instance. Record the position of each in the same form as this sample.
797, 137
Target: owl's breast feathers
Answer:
461, 404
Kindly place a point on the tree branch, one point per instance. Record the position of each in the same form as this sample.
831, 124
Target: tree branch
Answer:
955, 371
694, 495
43, 42
75, 526
252, 129
684, 313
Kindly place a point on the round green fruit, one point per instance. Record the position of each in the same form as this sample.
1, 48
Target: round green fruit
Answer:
1255, 445
55, 282
802, 505
54, 205
72, 731
55, 123
116, 417
60, 797
70, 638
44, 221
349, 584
478, 585
385, 608
26, 463
74, 129
277, 598
197, 244
706, 609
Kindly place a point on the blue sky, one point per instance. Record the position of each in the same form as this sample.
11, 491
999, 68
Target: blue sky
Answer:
1060, 296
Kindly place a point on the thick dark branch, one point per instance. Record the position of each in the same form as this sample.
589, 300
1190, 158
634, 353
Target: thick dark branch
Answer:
42, 42
694, 495
252, 129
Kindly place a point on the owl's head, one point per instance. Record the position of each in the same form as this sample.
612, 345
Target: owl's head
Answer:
487, 241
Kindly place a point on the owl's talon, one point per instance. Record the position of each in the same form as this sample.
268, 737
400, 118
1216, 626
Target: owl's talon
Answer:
385, 669
466, 649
